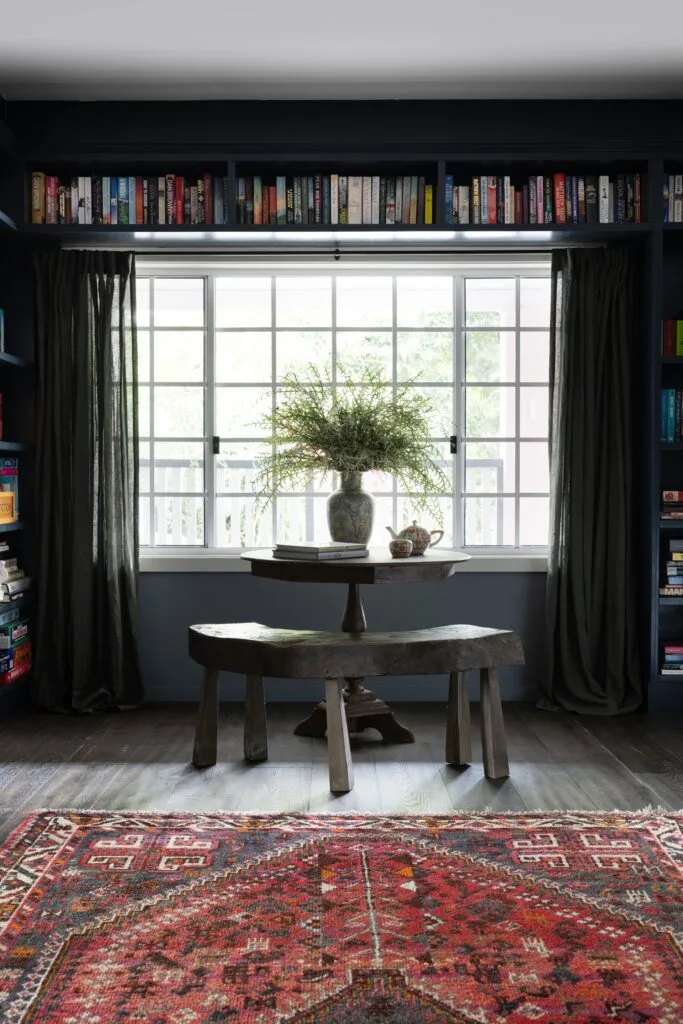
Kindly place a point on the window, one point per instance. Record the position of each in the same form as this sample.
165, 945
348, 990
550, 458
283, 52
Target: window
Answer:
216, 339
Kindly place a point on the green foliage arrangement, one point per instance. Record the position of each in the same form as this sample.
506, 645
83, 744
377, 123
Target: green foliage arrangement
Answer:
321, 426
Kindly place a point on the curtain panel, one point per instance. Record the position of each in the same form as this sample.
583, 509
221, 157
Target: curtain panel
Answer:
592, 602
86, 636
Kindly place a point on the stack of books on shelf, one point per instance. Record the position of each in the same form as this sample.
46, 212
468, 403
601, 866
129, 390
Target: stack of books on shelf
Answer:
9, 490
672, 659
672, 194
335, 199
672, 337
320, 552
15, 639
671, 415
544, 199
130, 199
673, 587
672, 505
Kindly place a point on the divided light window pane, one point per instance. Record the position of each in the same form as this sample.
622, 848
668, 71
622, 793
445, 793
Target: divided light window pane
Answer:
476, 345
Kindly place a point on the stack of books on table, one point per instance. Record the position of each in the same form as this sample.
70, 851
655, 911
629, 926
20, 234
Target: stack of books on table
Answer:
672, 659
320, 552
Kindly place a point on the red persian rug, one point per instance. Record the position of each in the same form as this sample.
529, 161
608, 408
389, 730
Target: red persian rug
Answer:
222, 918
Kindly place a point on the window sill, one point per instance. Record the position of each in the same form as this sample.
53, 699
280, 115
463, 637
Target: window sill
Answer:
182, 560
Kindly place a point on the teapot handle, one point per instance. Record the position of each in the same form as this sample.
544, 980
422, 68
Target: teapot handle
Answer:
435, 542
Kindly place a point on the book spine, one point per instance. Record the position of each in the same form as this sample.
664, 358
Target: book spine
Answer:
560, 198
398, 201
38, 198
326, 200
382, 199
170, 199
429, 204
448, 198
281, 187
476, 204
508, 208
679, 337
678, 198
334, 199
391, 200
298, 216
161, 199
463, 204
484, 194
366, 199
355, 199
343, 199
621, 199
603, 199
668, 337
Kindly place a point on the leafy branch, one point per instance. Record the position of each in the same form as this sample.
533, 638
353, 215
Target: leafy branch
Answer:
322, 426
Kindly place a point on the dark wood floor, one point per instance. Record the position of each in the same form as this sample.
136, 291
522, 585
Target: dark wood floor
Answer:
140, 761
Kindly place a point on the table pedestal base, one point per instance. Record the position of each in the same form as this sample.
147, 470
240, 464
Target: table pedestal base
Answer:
364, 710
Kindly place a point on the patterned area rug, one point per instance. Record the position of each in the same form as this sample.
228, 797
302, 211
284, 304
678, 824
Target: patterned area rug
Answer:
221, 918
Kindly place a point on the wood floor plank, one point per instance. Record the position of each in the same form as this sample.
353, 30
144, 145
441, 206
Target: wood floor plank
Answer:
141, 760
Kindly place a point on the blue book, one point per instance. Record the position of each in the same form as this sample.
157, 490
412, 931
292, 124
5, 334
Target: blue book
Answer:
671, 415
484, 200
114, 193
448, 198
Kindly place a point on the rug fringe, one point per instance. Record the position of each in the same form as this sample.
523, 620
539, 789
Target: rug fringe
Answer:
649, 809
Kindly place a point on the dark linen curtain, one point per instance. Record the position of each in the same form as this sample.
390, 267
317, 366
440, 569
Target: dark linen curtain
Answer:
591, 607
86, 643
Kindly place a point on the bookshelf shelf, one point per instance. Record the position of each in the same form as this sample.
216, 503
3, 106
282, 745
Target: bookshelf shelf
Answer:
671, 524
671, 360
672, 601
8, 359
671, 446
11, 527
669, 678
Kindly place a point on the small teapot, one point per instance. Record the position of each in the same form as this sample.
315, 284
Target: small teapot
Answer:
420, 537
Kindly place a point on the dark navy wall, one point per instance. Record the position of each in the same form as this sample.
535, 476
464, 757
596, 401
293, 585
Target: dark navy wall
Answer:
169, 603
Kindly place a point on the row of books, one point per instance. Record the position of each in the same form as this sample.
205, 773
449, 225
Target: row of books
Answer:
672, 337
672, 659
9, 489
320, 552
672, 194
109, 200
671, 415
672, 505
672, 583
335, 199
15, 631
545, 199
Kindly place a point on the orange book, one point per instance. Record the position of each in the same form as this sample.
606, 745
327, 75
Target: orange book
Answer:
560, 198
7, 514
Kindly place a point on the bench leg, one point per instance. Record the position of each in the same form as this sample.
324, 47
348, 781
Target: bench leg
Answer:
255, 738
492, 726
206, 732
458, 735
338, 749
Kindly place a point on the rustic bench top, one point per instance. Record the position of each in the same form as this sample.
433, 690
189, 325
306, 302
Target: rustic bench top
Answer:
293, 653
377, 567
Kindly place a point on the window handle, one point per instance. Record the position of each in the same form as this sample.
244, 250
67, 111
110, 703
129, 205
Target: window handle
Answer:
454, 444
216, 444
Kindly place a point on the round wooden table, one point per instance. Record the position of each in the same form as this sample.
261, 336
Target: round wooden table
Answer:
363, 708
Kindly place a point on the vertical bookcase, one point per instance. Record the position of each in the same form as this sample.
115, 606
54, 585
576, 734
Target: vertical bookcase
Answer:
17, 389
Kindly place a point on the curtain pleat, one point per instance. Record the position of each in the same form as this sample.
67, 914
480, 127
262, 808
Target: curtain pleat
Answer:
592, 606
86, 636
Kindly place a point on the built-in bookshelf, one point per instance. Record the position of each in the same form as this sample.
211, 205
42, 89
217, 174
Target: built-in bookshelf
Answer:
16, 436
535, 195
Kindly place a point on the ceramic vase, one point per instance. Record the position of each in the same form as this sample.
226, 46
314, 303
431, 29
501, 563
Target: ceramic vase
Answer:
350, 511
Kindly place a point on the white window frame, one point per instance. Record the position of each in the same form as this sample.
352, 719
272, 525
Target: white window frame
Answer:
214, 559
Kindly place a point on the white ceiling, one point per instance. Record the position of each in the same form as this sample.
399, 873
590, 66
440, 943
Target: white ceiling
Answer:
340, 49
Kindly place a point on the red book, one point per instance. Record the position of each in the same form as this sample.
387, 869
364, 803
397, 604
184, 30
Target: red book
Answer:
208, 198
265, 205
636, 198
139, 203
179, 200
672, 496
668, 337
272, 215
15, 673
519, 216
492, 200
560, 198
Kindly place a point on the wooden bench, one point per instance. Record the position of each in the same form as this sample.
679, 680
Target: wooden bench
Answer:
260, 651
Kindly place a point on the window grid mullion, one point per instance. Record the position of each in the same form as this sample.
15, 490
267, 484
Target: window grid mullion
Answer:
152, 438
394, 380
459, 371
273, 377
210, 421
518, 425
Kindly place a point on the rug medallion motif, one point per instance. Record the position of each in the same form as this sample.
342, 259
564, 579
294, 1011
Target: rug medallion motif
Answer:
287, 919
